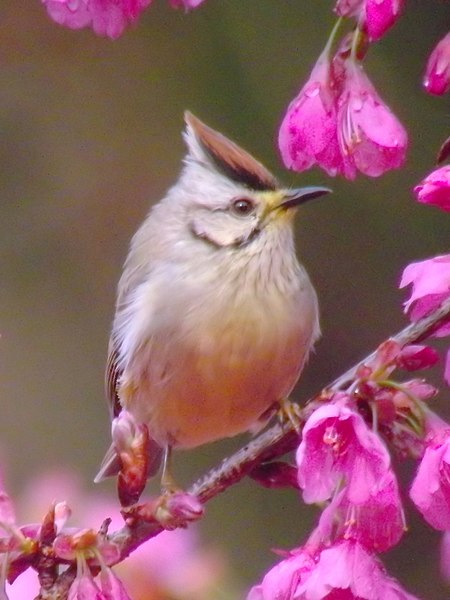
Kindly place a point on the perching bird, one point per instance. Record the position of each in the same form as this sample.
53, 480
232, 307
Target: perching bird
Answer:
215, 316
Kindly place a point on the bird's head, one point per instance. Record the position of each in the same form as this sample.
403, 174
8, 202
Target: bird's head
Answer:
228, 197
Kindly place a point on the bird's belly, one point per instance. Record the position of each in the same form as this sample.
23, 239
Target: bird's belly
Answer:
217, 382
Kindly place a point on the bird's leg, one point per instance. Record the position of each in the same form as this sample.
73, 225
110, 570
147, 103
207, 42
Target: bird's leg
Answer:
289, 412
168, 483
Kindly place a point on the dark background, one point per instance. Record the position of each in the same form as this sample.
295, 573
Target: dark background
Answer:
91, 135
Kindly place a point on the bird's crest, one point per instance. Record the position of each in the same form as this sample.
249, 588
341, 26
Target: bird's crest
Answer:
228, 157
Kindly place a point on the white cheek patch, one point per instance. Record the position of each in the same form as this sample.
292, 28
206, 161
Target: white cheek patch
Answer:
222, 229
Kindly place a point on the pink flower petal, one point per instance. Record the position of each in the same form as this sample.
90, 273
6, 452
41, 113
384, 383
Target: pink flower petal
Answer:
447, 368
430, 281
347, 570
430, 490
337, 445
369, 134
282, 580
111, 586
307, 134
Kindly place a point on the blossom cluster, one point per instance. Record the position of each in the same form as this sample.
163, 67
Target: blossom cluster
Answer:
343, 463
106, 17
172, 565
338, 121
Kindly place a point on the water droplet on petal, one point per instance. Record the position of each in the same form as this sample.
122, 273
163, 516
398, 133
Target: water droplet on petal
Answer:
312, 92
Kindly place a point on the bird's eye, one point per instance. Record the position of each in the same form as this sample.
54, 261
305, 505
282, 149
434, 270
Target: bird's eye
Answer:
242, 207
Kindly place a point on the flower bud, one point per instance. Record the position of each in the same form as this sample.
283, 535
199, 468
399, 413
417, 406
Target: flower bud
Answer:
415, 356
381, 15
437, 72
435, 188
375, 17
131, 442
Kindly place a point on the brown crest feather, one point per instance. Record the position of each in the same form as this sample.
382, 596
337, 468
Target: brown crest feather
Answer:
230, 159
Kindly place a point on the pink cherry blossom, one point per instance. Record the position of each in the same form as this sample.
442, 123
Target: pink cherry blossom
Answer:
378, 522
307, 134
337, 445
430, 490
106, 17
372, 140
281, 582
437, 73
347, 570
174, 563
435, 188
430, 281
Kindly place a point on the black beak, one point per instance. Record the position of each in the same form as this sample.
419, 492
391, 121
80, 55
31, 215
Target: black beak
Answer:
302, 195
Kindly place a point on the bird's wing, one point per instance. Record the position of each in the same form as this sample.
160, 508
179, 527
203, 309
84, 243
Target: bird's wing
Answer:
111, 463
112, 375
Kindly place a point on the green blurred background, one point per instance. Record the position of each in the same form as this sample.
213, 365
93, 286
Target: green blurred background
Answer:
91, 136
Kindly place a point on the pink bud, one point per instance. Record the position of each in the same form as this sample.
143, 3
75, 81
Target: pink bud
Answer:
131, 442
437, 72
374, 16
415, 356
435, 188
184, 506
62, 514
381, 15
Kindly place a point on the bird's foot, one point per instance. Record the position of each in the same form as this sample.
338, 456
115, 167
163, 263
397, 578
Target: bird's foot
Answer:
290, 412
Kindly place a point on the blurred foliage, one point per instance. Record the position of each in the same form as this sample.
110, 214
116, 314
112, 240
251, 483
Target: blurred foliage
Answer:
91, 137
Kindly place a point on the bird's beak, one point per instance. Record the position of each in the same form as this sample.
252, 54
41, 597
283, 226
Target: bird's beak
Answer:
301, 195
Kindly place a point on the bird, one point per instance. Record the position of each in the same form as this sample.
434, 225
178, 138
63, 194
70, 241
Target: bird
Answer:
215, 316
